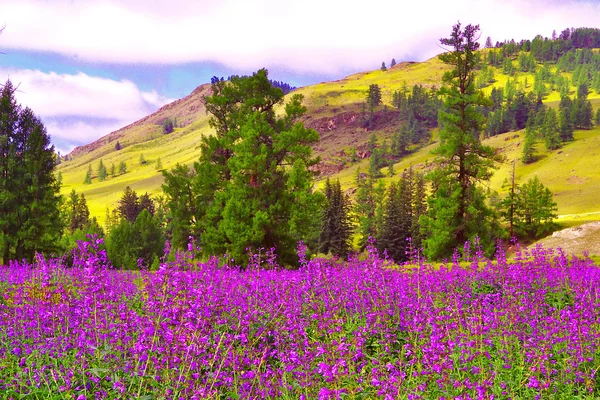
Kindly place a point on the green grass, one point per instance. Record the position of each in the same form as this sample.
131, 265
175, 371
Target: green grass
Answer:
571, 173
181, 146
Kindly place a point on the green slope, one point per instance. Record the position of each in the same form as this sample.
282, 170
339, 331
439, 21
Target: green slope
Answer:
571, 172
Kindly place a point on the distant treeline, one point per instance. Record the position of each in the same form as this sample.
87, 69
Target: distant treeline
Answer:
286, 87
551, 49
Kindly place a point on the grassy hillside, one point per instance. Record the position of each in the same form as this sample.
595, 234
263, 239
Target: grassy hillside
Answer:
334, 109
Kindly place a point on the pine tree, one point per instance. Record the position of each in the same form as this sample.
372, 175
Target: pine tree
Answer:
337, 229
551, 132
398, 218
88, 176
252, 184
508, 206
368, 202
77, 213
122, 168
29, 193
536, 210
168, 126
488, 43
527, 155
383, 67
374, 96
393, 62
117, 146
565, 127
101, 171
391, 171
419, 209
158, 164
457, 209
129, 205
142, 159
149, 237
390, 237
112, 170
146, 203
375, 162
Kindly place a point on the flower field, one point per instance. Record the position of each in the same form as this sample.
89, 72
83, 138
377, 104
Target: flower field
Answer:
524, 329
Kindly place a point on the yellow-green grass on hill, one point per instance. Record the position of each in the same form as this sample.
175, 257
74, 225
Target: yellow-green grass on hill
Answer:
353, 89
570, 173
181, 146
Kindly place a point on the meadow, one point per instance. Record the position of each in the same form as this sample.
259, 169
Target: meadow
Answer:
523, 328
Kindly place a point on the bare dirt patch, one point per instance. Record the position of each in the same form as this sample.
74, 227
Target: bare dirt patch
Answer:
576, 240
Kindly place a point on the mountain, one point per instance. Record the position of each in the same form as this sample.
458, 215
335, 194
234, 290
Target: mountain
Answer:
336, 109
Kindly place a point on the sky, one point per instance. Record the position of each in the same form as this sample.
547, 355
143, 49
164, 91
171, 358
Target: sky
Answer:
90, 67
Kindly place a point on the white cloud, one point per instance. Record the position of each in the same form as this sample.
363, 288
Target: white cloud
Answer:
307, 36
67, 134
78, 108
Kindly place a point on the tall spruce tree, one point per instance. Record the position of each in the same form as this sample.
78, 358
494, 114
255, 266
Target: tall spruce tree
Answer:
77, 212
419, 208
367, 207
457, 209
337, 227
551, 132
88, 176
397, 224
129, 205
535, 211
102, 173
252, 183
29, 193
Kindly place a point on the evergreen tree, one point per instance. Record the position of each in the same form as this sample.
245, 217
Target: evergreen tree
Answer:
168, 126
508, 206
158, 164
536, 210
117, 146
393, 62
185, 207
337, 229
146, 203
129, 205
29, 193
457, 209
488, 43
368, 202
88, 176
252, 183
122, 168
374, 96
375, 163
372, 143
598, 117
383, 67
142, 159
59, 179
149, 240
121, 245
102, 174
528, 147
77, 212
398, 218
112, 170
419, 208
565, 127
551, 132
391, 237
